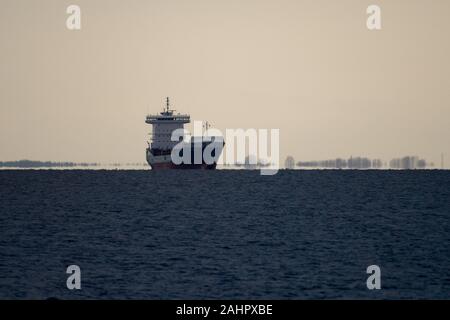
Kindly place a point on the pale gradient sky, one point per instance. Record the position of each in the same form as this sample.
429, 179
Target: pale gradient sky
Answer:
309, 68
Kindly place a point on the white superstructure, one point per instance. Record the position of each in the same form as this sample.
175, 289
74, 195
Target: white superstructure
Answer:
163, 126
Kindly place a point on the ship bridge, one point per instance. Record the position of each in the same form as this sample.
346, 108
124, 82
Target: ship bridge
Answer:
168, 116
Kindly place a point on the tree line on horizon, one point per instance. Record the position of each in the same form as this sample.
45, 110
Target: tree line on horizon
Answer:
407, 162
43, 164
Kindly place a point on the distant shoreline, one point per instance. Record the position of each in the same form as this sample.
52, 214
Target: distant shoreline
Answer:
32, 164
52, 165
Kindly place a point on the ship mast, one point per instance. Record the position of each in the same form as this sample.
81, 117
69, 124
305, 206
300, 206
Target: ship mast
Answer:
167, 104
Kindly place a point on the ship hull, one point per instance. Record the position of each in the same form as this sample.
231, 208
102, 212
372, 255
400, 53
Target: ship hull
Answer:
161, 160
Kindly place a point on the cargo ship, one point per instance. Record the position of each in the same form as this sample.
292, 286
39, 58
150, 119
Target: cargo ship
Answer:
160, 147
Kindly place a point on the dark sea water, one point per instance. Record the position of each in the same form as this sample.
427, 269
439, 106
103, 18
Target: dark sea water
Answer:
224, 234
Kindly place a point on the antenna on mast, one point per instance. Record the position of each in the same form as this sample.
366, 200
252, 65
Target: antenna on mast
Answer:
167, 104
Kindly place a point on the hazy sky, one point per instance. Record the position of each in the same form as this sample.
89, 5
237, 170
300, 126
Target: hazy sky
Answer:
309, 68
